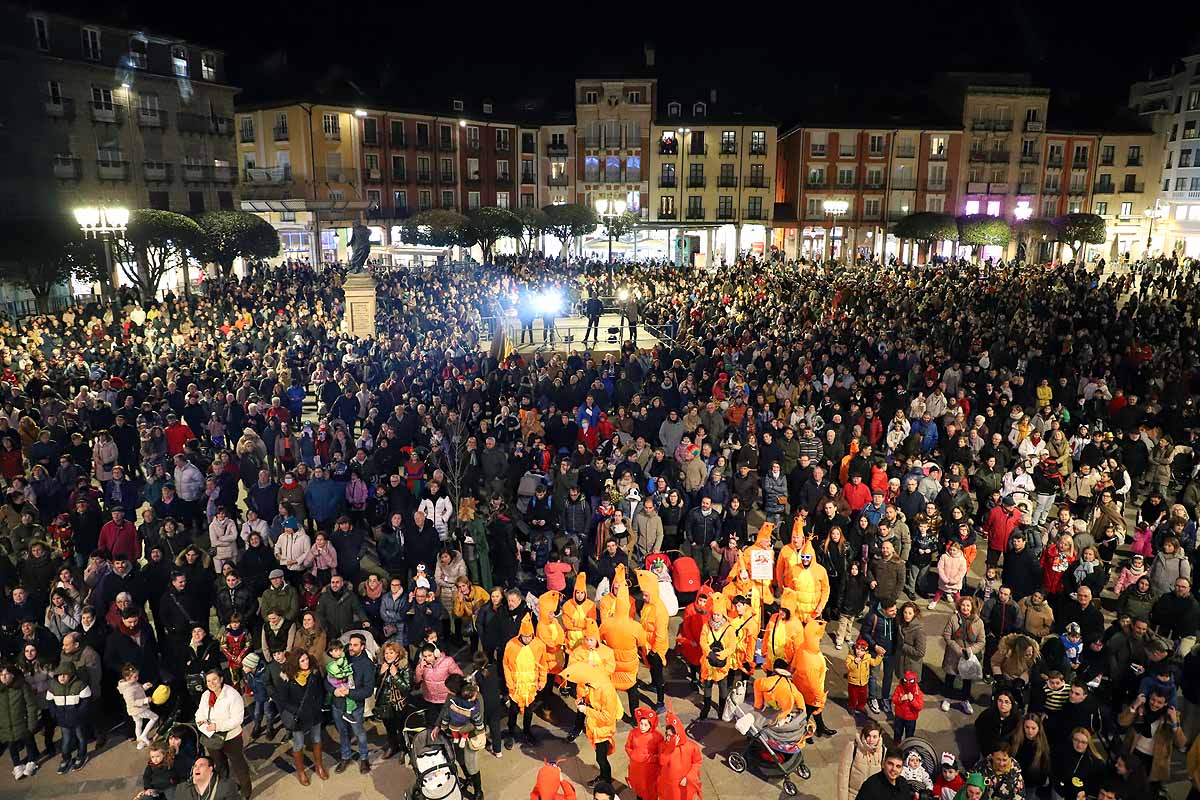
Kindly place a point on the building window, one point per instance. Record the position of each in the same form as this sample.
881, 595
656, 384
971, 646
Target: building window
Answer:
372, 160
138, 53
396, 137
937, 146
591, 169
527, 200
1081, 154
816, 176
41, 34
422, 134
935, 204
1134, 157
1180, 184
758, 143
208, 66
502, 169
374, 199
972, 207
1102, 208
754, 207
875, 145
1185, 158
425, 200
847, 147
332, 125
993, 208
447, 198
874, 178
445, 137
673, 109
698, 109
871, 208
845, 177
457, 105
695, 206
91, 44
472, 200
1193, 100
473, 169
398, 169
196, 202
487, 108
501, 199
473, 137
400, 200
1127, 209
1189, 130
503, 139
247, 125
816, 147
728, 142
634, 97
102, 100
370, 129
179, 61
725, 206
591, 97
281, 125
612, 169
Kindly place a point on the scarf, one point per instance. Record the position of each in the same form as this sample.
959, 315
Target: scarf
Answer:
302, 677
1083, 569
373, 594
1144, 725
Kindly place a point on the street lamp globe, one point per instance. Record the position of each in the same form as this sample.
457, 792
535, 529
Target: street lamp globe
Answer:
602, 207
118, 217
618, 207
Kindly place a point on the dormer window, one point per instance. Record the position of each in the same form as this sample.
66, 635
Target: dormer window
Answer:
457, 105
673, 109
591, 98
138, 53
698, 110
487, 108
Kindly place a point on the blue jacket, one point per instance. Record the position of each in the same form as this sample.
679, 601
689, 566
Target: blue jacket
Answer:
592, 415
295, 399
879, 629
68, 705
363, 672
324, 498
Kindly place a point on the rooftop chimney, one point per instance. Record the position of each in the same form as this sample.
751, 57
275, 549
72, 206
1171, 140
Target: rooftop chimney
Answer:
712, 97
648, 49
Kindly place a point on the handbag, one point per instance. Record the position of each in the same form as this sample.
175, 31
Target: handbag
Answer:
214, 742
477, 740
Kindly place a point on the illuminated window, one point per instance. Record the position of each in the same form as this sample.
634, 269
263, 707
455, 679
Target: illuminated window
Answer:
91, 44
993, 208
1102, 208
972, 207
208, 66
590, 98
179, 61
1127, 209
501, 199
138, 53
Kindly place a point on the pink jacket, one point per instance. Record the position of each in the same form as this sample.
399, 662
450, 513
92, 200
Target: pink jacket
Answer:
951, 572
433, 679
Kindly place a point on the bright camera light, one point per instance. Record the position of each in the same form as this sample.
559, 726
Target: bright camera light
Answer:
549, 302
623, 295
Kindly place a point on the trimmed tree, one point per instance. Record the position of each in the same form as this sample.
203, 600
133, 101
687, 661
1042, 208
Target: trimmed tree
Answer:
619, 226
229, 235
155, 242
533, 224
1080, 229
486, 226
434, 228
983, 230
929, 227
1029, 231
38, 255
569, 221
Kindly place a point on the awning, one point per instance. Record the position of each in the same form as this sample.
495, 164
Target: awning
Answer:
302, 204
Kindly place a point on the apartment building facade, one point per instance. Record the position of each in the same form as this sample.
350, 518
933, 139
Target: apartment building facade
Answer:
1005, 154
613, 120
558, 163
132, 118
1172, 105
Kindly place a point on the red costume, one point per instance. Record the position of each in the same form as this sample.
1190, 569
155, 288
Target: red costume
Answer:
695, 616
643, 749
679, 761
551, 785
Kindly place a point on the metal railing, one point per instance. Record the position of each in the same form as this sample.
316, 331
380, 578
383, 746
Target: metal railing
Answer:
280, 133
152, 118
556, 150
668, 214
61, 107
246, 135
1030, 158
156, 171
695, 181
667, 182
729, 148
695, 213
107, 112
758, 149
528, 177
558, 180
727, 181
112, 169
754, 213
446, 176
906, 152
758, 182
1104, 188
725, 213
66, 167
698, 150
266, 176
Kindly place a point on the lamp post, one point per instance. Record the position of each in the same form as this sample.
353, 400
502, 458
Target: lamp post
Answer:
608, 209
105, 224
1157, 212
834, 209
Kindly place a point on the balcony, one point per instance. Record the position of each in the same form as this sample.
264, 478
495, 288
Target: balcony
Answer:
695, 181
194, 173
725, 213
1054, 160
976, 187
373, 175
528, 146
556, 150
754, 213
335, 175
1002, 125
906, 185
60, 107
370, 141
935, 186
203, 124
528, 177
1106, 161
758, 182
667, 213
1104, 188
158, 171
333, 135
873, 185
446, 176
446, 145
108, 113
1076, 189
400, 143
66, 167
246, 135
591, 143
1030, 158
423, 144
999, 188
727, 181
1027, 188
473, 179
758, 149
698, 150
1079, 163
424, 177
400, 176
1133, 162
872, 216
503, 147
1034, 126
1051, 190
977, 156
504, 180
999, 157
845, 187
729, 148
981, 124
668, 149
938, 156
1133, 188
280, 134
906, 152
155, 118
112, 169
138, 60
558, 180
875, 154
472, 145
695, 213
223, 173
266, 176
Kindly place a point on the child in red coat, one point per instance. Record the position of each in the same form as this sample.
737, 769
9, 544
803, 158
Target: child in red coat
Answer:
907, 702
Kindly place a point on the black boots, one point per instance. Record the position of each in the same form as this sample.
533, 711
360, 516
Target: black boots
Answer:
822, 728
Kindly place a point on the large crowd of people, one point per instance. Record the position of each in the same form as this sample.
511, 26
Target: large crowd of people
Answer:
225, 519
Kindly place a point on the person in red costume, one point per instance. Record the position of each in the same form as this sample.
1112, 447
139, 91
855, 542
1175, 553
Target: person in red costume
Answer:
687, 641
551, 784
643, 747
679, 764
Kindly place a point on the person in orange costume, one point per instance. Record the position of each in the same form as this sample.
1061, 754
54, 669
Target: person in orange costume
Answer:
524, 675
643, 747
742, 585
607, 606
601, 707
576, 612
745, 628
808, 673
784, 631
679, 764
687, 640
551, 784
789, 555
718, 643
810, 581
655, 622
762, 541
625, 636
776, 692
591, 652
550, 632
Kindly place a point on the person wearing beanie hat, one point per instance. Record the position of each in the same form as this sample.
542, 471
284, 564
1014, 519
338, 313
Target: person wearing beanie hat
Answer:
525, 675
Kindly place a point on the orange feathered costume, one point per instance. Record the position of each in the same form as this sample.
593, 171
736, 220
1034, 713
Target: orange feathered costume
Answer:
721, 644
789, 556
643, 750
745, 628
576, 612
777, 693
781, 638
524, 666
811, 584
625, 636
601, 656
678, 760
762, 541
598, 701
608, 604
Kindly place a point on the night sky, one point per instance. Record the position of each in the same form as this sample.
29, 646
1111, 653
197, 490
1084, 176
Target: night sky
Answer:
766, 58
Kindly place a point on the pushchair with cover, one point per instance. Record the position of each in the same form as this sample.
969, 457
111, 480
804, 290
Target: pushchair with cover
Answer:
773, 748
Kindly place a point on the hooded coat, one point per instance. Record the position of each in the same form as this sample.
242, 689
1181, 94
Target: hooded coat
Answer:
576, 614
601, 657
551, 784
654, 617
643, 750
717, 645
551, 634
625, 636
695, 619
524, 666
777, 693
598, 700
809, 666
678, 759
810, 583
762, 541
781, 638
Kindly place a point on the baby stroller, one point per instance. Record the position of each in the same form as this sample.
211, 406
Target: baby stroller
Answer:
773, 749
685, 575
433, 761
929, 761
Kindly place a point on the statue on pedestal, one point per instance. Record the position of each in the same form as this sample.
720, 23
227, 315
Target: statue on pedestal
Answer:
360, 248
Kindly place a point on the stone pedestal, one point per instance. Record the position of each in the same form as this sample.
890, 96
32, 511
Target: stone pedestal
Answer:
359, 319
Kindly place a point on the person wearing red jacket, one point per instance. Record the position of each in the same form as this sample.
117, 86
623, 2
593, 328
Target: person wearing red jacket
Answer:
119, 538
643, 747
857, 493
907, 702
999, 524
178, 434
687, 641
679, 764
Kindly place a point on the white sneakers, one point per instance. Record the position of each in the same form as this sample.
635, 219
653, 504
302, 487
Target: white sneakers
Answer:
932, 605
25, 770
18, 772
142, 745
945, 705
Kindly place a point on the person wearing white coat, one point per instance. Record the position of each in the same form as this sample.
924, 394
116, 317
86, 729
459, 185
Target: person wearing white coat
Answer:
291, 548
438, 510
219, 719
222, 538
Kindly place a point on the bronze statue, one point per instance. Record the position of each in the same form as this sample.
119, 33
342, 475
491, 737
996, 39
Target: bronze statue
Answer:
360, 248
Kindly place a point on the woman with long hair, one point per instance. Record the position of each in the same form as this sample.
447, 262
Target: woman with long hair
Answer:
310, 637
393, 685
300, 695
833, 554
1080, 768
1031, 749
